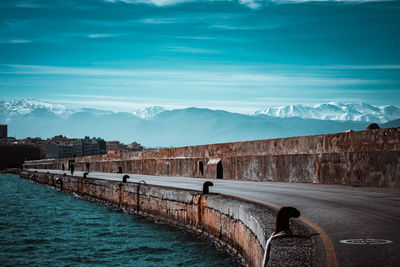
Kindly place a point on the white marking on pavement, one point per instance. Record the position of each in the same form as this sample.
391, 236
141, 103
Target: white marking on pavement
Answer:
368, 241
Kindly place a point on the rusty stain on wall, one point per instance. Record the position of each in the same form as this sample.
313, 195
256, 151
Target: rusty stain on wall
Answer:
242, 227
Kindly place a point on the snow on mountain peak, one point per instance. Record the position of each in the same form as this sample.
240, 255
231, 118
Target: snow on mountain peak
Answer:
335, 111
25, 106
149, 112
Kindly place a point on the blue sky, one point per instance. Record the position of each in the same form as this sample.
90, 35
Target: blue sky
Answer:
233, 55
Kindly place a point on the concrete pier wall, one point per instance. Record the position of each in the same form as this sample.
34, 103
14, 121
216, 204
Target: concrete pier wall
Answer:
240, 225
364, 158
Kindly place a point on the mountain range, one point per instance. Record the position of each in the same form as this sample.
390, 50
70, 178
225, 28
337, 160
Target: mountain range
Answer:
335, 111
159, 127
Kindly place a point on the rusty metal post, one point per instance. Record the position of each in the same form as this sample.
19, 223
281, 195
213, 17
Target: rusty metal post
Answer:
283, 216
124, 178
282, 228
206, 186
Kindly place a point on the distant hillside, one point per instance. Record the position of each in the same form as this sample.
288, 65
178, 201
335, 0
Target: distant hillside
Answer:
180, 127
391, 124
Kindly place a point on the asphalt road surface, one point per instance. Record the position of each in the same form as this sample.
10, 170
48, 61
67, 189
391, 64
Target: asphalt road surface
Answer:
343, 212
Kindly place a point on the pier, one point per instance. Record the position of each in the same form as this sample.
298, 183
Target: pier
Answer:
343, 222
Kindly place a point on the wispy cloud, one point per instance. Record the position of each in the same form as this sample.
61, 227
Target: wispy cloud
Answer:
169, 78
344, 1
193, 50
252, 4
153, 2
15, 41
102, 35
28, 4
195, 37
270, 26
61, 70
361, 67
158, 20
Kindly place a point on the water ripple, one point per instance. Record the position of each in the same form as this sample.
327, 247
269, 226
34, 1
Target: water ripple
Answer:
40, 226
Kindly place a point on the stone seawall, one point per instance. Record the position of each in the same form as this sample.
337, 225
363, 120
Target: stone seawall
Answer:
365, 158
241, 226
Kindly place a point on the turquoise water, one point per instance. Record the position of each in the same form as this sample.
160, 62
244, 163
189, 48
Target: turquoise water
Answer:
40, 226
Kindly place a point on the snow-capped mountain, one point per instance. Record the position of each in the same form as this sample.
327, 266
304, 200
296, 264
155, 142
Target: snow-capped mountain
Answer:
335, 111
149, 112
189, 126
26, 106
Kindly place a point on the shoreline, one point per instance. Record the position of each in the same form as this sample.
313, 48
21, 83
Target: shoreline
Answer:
240, 227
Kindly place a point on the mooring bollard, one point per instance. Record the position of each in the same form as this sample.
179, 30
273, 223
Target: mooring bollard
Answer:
283, 216
124, 178
206, 186
282, 228
85, 174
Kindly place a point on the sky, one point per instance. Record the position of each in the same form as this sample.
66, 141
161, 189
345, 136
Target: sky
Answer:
239, 56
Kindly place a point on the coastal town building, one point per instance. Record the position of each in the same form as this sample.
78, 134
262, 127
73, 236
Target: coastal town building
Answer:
117, 147
61, 146
3, 131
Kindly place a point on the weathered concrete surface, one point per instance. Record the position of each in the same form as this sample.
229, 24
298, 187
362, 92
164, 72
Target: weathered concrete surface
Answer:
242, 226
365, 158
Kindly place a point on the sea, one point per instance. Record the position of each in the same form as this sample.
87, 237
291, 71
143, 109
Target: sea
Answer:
40, 226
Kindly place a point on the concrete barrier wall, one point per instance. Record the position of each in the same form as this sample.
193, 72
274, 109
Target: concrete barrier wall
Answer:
241, 226
365, 158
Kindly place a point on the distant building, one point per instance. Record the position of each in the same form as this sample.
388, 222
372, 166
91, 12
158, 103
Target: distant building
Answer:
116, 146
73, 149
90, 146
14, 155
135, 147
63, 147
102, 146
52, 151
3, 131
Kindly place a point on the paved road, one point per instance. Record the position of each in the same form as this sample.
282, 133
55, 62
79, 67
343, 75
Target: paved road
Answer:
343, 212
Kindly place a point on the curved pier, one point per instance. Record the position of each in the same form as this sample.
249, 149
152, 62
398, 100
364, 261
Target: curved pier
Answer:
241, 225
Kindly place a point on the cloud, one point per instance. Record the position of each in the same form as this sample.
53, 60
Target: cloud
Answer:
15, 41
344, 1
362, 67
195, 37
158, 21
233, 88
61, 70
102, 35
271, 26
252, 4
202, 79
27, 4
159, 3
191, 50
